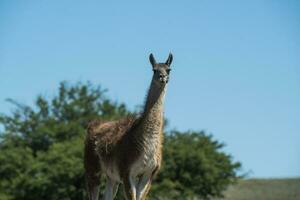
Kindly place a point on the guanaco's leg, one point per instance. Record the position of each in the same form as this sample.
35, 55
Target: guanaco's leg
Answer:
144, 195
145, 184
92, 170
111, 189
143, 187
129, 188
93, 183
115, 189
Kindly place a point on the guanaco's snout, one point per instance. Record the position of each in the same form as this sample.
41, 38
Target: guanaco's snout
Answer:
164, 78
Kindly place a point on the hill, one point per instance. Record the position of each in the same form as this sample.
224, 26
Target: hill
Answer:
264, 189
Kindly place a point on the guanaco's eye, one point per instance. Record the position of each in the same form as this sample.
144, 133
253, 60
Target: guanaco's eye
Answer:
168, 70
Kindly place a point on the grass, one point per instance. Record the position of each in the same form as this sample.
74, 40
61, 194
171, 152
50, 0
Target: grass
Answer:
264, 189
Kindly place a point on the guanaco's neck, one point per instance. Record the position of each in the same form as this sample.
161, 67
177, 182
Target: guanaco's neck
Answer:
155, 98
152, 117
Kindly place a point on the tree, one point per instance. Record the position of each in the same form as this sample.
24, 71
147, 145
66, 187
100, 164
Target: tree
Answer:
194, 167
42, 149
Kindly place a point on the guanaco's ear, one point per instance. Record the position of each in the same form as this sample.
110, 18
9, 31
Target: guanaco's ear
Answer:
169, 60
152, 60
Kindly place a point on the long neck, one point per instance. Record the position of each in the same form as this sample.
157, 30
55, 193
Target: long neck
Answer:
152, 117
155, 100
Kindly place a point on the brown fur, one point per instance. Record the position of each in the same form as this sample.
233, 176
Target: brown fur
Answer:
116, 146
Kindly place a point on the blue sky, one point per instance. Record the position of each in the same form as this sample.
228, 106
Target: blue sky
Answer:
236, 68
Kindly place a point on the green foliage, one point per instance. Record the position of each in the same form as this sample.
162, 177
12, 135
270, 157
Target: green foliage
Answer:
42, 149
194, 166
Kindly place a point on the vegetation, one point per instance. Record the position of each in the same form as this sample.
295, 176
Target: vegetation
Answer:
42, 149
264, 189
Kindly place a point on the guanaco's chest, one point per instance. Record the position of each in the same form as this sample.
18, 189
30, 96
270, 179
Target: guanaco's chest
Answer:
149, 157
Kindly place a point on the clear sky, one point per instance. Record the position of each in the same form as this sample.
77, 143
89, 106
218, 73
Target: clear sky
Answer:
236, 68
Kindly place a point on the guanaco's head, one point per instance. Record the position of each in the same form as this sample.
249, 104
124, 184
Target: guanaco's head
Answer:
161, 70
